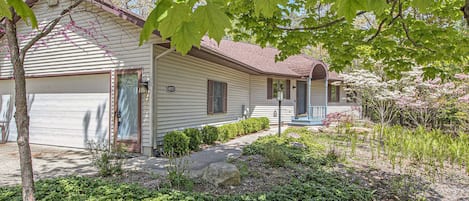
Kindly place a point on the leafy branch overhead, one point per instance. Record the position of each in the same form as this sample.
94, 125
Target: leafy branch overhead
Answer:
398, 33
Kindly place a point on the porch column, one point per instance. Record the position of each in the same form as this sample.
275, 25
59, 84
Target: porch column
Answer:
309, 97
327, 97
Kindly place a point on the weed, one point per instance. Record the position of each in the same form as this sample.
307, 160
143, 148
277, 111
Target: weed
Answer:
178, 170
108, 161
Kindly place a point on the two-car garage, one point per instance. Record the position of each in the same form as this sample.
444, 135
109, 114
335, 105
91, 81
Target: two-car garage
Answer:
64, 111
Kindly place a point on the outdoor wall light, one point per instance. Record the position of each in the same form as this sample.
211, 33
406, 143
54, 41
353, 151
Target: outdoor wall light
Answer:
143, 87
170, 89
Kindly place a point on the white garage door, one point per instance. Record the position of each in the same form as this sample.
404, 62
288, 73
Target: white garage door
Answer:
64, 111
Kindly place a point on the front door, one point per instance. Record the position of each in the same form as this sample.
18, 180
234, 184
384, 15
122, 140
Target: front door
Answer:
127, 111
301, 93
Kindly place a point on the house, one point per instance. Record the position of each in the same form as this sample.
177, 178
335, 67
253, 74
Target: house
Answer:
90, 81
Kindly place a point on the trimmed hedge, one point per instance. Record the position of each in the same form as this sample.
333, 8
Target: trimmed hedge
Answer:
243, 127
209, 134
176, 142
195, 138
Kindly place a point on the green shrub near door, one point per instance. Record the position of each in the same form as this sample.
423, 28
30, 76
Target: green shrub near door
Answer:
176, 142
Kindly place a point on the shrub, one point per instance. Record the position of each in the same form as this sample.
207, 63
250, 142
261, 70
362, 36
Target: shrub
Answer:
223, 133
209, 134
176, 142
265, 123
194, 138
274, 155
251, 125
108, 161
240, 129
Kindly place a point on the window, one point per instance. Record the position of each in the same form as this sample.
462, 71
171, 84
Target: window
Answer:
333, 93
276, 85
216, 97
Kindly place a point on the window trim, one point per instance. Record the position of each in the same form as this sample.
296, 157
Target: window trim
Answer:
210, 97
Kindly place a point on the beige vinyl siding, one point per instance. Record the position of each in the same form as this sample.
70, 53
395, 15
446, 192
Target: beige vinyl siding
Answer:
187, 106
106, 42
263, 107
343, 106
318, 93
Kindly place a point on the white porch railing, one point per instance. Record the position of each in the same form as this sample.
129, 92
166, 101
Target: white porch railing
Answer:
317, 113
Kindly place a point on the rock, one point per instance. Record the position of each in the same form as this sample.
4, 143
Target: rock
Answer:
299, 145
294, 135
222, 174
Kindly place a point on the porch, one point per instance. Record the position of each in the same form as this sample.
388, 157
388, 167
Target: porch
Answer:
316, 115
312, 97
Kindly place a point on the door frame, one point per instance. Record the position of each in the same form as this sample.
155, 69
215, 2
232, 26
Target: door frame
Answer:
116, 109
298, 98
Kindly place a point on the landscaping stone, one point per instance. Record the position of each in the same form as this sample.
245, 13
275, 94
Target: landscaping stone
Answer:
222, 174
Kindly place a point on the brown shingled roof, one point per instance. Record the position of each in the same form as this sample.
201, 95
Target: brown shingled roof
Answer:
264, 58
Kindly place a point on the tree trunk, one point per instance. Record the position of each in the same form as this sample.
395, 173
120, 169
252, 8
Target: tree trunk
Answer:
21, 114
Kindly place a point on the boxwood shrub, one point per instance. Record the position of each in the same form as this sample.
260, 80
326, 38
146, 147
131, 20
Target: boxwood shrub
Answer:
176, 142
195, 138
209, 134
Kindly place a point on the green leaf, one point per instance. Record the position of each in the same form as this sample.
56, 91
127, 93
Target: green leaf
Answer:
4, 9
422, 5
267, 7
176, 15
212, 19
185, 37
24, 11
377, 6
153, 20
349, 8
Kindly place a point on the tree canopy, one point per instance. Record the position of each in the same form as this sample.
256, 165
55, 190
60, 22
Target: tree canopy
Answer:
398, 34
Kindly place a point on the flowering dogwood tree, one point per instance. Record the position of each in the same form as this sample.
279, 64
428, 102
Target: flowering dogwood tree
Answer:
374, 91
431, 103
421, 99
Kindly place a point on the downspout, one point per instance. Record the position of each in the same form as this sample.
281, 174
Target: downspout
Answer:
156, 57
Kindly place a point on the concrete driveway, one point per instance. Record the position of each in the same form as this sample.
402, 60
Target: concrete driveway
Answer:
47, 162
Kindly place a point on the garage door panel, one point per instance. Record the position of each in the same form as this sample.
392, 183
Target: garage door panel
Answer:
66, 111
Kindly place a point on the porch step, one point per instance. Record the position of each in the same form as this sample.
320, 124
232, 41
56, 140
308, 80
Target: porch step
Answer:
305, 123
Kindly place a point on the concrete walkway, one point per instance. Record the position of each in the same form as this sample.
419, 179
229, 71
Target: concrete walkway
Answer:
199, 160
50, 161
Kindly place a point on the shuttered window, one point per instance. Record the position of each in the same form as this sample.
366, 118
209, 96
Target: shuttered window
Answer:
275, 85
216, 97
333, 93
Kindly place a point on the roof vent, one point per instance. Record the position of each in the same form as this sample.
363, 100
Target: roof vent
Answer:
52, 3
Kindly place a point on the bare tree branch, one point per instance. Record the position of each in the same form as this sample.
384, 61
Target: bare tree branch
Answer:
392, 12
378, 31
327, 24
407, 34
48, 28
